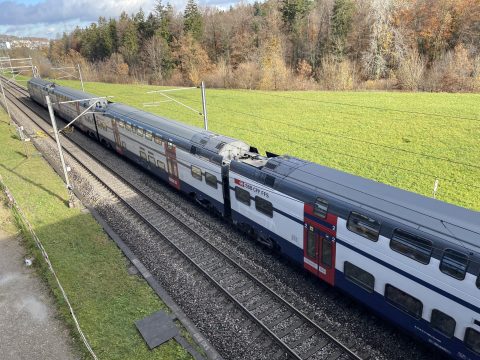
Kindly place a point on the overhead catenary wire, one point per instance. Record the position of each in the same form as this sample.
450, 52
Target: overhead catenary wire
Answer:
384, 164
354, 139
306, 172
309, 146
362, 106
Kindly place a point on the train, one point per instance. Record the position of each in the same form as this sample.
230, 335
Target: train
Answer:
413, 260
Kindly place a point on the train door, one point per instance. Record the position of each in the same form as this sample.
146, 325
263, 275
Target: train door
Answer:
116, 136
319, 254
319, 244
172, 165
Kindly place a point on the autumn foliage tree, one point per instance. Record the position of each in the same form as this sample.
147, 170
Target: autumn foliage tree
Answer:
341, 44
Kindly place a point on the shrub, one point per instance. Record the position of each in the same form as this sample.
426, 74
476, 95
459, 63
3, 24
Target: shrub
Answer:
410, 71
335, 75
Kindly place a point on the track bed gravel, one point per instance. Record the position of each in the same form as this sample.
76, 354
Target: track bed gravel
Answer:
231, 332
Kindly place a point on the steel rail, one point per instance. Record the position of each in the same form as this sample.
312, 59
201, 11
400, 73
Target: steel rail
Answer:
196, 234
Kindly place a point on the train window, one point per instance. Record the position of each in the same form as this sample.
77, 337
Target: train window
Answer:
454, 263
263, 206
326, 252
121, 123
359, 276
151, 159
211, 180
161, 164
311, 244
320, 208
363, 226
411, 246
143, 155
128, 126
472, 340
443, 323
403, 301
148, 135
242, 195
197, 173
157, 139
140, 131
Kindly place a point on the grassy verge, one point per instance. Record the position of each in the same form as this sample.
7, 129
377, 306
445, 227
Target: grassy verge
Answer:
402, 139
106, 299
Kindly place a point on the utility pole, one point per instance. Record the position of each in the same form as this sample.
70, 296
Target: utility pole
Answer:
60, 152
204, 105
80, 76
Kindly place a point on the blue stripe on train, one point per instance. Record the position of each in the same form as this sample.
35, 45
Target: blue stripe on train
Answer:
417, 327
286, 247
162, 174
411, 277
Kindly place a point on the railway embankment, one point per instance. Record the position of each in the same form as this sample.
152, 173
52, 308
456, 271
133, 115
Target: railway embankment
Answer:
28, 315
106, 297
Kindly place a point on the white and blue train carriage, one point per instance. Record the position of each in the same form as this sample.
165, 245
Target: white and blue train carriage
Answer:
412, 259
39, 88
190, 159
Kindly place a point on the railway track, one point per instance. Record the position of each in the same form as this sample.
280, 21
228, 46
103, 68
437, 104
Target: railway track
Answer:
296, 335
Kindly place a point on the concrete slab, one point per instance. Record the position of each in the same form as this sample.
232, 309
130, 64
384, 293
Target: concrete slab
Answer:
157, 328
29, 328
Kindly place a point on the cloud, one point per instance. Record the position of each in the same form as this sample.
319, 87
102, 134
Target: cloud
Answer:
48, 30
49, 18
54, 11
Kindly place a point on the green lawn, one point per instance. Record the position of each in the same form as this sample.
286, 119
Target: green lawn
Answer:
402, 139
106, 299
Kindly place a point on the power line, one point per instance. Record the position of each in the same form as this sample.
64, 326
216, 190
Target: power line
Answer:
357, 140
363, 106
309, 146
329, 151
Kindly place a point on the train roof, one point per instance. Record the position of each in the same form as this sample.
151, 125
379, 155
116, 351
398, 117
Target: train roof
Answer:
202, 139
430, 215
71, 93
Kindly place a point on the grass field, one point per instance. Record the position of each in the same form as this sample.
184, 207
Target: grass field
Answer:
106, 299
401, 139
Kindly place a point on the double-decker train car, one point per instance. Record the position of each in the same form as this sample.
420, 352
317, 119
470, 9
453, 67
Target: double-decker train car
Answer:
412, 259
192, 160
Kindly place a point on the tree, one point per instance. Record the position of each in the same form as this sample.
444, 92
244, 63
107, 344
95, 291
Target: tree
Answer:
164, 15
383, 38
158, 57
293, 11
341, 25
274, 70
193, 59
129, 44
193, 23
296, 25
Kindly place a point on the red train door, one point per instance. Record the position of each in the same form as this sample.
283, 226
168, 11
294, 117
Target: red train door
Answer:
116, 135
172, 166
319, 245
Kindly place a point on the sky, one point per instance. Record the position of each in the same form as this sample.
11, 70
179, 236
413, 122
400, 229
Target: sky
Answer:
50, 18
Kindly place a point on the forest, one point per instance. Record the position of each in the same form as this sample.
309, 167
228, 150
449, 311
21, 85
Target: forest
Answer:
411, 45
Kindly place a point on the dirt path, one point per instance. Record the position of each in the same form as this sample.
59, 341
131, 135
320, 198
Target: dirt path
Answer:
28, 323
